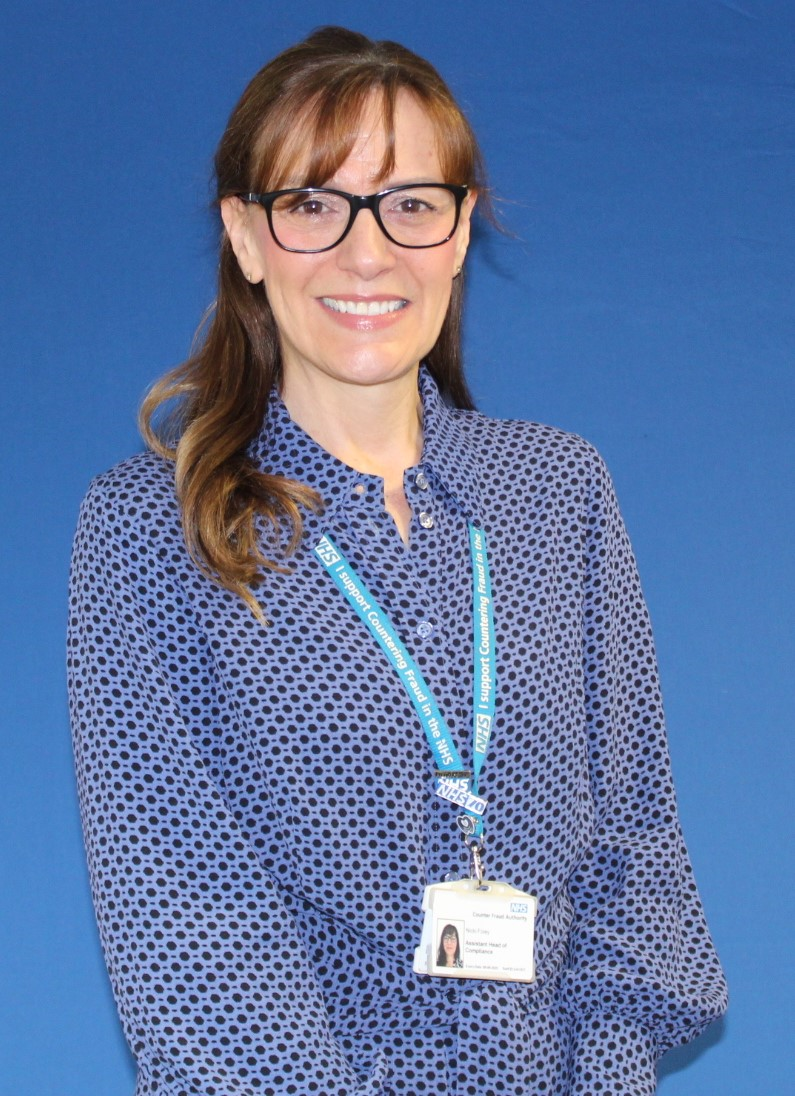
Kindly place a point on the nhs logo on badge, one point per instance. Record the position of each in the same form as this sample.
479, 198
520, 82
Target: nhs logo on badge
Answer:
326, 552
519, 907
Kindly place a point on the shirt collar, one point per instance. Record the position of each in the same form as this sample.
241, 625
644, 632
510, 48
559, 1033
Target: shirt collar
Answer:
448, 450
282, 448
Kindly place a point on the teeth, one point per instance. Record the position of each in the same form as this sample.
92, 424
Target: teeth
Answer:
363, 308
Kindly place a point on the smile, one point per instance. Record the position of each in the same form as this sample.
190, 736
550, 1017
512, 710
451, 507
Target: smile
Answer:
363, 308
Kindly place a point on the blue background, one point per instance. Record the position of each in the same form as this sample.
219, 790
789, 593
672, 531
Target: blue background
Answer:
643, 152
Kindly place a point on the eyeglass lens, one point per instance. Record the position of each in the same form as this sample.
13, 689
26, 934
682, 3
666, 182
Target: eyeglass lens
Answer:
412, 216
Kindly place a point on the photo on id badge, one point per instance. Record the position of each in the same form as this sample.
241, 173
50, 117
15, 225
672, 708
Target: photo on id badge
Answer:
450, 950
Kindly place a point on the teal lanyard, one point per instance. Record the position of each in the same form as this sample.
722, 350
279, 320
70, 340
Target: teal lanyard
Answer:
450, 768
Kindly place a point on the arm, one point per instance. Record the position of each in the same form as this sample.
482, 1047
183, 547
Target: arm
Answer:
642, 974
208, 971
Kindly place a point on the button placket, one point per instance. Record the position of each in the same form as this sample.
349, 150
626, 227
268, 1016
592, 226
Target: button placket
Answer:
416, 482
362, 514
425, 627
408, 592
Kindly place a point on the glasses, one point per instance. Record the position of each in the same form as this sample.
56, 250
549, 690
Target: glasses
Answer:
312, 219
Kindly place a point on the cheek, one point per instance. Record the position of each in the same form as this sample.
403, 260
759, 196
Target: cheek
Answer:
282, 268
435, 275
287, 279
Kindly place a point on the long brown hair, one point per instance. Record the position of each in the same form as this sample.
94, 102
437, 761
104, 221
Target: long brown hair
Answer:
306, 103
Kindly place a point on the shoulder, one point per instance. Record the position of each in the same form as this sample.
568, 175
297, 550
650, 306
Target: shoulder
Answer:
133, 501
533, 437
136, 487
529, 450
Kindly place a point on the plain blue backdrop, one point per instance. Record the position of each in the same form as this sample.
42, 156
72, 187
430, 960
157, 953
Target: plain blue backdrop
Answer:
643, 154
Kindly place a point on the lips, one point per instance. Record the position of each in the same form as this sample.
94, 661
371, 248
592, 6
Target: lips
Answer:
364, 308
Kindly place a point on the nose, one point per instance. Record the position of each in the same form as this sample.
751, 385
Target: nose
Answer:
365, 251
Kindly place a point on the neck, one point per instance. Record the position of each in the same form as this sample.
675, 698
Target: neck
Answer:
376, 429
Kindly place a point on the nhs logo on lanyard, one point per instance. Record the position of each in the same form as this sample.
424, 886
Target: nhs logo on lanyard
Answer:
327, 552
482, 732
456, 790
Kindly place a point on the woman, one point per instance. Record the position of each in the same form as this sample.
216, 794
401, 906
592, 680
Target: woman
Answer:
449, 954
257, 789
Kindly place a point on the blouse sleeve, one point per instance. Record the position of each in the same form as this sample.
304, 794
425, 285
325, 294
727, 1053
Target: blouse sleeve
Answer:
642, 974
209, 974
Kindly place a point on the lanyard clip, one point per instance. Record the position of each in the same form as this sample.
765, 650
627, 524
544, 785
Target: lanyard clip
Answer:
476, 860
475, 843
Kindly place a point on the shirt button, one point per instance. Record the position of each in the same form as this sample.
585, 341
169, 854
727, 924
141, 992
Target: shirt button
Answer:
426, 520
424, 629
422, 481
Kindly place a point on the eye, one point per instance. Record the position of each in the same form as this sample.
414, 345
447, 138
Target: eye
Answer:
418, 204
410, 205
309, 205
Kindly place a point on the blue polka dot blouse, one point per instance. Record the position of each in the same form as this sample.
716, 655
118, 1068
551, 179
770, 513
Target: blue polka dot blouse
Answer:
258, 801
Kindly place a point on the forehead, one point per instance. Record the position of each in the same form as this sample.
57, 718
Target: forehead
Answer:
372, 149
413, 141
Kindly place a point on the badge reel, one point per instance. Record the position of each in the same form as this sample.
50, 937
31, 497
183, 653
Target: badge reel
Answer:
476, 928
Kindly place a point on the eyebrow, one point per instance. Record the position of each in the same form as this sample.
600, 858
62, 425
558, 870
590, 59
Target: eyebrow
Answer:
334, 186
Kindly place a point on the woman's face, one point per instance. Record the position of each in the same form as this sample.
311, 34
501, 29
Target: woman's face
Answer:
450, 945
306, 292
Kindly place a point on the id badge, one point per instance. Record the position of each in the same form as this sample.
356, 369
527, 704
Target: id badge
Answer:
477, 931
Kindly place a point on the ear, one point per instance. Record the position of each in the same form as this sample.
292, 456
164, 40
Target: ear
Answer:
463, 230
236, 215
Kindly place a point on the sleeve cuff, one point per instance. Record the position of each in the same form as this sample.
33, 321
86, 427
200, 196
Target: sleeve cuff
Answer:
612, 1055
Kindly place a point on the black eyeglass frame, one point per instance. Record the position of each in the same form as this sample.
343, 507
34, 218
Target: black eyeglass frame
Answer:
356, 203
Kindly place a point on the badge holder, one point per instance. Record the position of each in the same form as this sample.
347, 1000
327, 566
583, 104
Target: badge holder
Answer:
476, 928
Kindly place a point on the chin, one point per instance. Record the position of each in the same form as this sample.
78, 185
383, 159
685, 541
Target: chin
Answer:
370, 371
